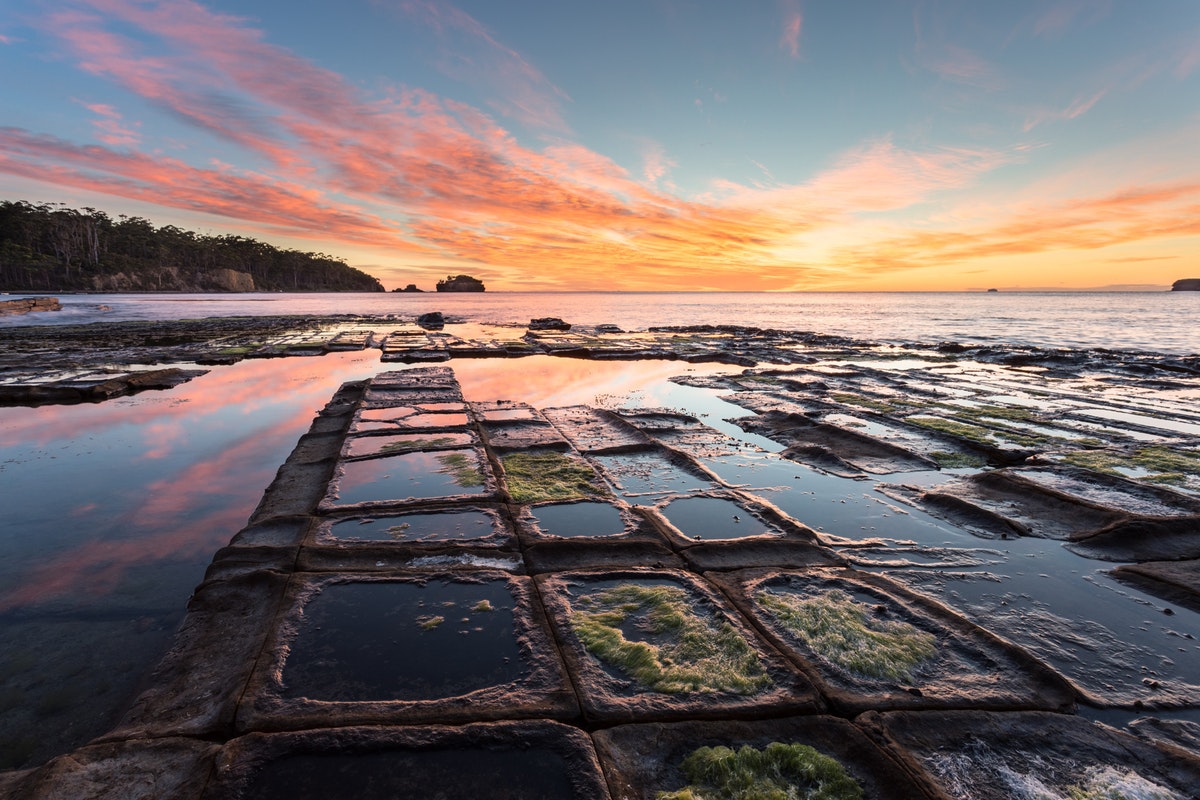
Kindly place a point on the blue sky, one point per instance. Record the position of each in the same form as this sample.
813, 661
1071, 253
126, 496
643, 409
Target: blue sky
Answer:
775, 145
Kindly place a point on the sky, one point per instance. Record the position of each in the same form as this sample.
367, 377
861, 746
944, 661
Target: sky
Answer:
633, 145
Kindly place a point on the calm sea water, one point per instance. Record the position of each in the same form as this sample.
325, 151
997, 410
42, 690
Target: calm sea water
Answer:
1161, 322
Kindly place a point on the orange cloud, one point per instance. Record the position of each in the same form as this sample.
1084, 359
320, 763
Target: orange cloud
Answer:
1139, 214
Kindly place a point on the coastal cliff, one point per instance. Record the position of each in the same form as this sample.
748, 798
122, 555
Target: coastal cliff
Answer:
460, 283
1186, 285
50, 248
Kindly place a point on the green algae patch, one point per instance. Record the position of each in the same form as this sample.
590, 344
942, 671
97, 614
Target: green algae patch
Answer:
975, 433
863, 402
948, 460
462, 468
777, 772
1162, 464
685, 651
1010, 413
535, 477
962, 430
429, 623
841, 630
482, 606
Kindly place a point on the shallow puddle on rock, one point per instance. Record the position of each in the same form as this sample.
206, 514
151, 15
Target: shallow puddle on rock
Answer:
844, 507
413, 475
1154, 423
515, 774
640, 474
1114, 641
434, 527
509, 415
713, 518
901, 555
361, 446
579, 519
403, 641
421, 415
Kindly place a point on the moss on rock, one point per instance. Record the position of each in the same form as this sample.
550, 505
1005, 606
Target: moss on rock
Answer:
535, 477
688, 653
777, 772
843, 631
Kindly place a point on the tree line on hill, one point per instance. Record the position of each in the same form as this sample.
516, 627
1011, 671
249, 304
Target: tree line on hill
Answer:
51, 248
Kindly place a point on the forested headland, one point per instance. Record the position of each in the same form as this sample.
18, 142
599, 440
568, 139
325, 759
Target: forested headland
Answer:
50, 248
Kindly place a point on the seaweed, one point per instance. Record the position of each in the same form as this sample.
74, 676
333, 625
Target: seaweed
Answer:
534, 477
692, 654
843, 631
428, 623
777, 772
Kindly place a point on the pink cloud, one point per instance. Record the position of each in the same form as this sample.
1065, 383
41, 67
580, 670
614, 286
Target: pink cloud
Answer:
1062, 15
793, 24
111, 128
1189, 57
1077, 108
961, 65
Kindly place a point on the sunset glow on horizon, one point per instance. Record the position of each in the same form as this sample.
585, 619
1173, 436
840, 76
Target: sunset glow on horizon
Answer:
779, 145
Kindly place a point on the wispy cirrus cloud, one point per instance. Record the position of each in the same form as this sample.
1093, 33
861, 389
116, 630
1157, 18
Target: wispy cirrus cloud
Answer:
1077, 108
111, 127
793, 25
519, 89
1061, 16
960, 65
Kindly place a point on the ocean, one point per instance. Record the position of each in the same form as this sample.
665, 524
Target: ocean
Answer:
1161, 322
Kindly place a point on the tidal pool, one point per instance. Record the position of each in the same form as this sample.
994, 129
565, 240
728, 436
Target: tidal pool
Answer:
365, 446
512, 774
444, 526
709, 518
579, 519
411, 476
391, 640
641, 474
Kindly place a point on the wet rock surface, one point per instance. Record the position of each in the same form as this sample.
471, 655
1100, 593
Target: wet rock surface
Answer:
525, 578
990, 755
